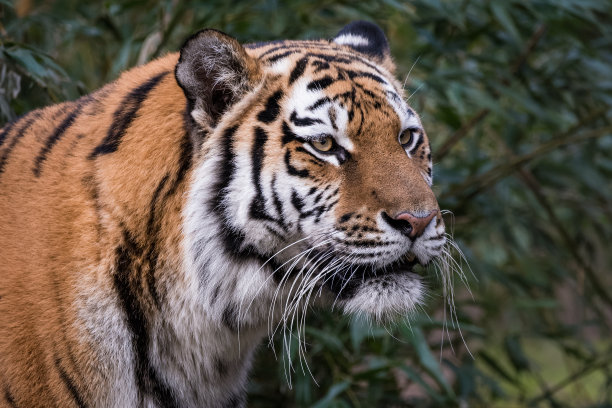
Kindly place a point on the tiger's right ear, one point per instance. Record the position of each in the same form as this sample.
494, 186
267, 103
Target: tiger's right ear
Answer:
214, 71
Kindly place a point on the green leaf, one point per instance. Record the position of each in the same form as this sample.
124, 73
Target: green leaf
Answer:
427, 360
331, 341
497, 368
332, 393
500, 11
515, 352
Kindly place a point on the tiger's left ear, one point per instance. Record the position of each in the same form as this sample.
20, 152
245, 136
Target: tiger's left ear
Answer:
214, 71
367, 38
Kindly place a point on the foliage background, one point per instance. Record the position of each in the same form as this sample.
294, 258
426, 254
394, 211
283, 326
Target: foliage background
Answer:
516, 96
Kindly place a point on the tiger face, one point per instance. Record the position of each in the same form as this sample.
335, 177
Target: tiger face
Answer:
322, 173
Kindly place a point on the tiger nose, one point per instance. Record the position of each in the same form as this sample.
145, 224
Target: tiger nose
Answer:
409, 224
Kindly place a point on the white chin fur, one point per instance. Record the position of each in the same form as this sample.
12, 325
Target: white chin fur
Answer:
387, 297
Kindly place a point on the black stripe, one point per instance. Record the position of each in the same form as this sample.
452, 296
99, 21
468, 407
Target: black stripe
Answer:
319, 103
361, 74
185, 159
57, 134
318, 198
18, 135
321, 65
69, 384
418, 143
297, 201
346, 58
272, 110
258, 207
152, 234
277, 202
263, 44
322, 83
235, 401
280, 56
230, 316
124, 115
9, 397
295, 46
298, 70
283, 46
232, 240
128, 285
342, 58
215, 294
292, 170
303, 121
6, 130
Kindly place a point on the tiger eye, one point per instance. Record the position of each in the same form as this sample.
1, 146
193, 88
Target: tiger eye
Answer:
323, 145
406, 137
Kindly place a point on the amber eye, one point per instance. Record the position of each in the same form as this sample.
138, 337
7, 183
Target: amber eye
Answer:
323, 145
407, 137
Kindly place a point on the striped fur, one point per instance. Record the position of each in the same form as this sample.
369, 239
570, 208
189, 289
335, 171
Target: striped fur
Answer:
154, 231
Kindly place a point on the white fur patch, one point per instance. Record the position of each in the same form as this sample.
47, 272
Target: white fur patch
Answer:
387, 296
352, 40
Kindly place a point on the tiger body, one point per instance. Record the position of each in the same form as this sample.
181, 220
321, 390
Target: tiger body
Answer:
153, 231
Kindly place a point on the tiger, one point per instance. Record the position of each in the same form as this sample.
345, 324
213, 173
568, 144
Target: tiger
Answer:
154, 231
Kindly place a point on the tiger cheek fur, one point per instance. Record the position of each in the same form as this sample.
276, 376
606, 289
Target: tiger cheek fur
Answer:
153, 230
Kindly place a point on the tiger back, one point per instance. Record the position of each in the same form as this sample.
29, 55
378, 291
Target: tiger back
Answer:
152, 232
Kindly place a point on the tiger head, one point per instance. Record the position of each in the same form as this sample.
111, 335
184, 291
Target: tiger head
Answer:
315, 175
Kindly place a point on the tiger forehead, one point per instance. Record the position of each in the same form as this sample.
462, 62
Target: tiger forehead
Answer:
334, 91
297, 58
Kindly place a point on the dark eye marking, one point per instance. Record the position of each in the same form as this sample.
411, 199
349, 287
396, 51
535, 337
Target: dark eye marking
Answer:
336, 150
411, 139
303, 121
302, 150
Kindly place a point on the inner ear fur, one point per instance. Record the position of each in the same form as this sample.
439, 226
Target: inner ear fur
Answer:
214, 71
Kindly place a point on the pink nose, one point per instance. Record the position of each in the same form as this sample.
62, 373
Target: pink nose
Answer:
417, 224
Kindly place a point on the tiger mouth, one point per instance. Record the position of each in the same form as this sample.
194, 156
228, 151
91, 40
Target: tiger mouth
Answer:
345, 282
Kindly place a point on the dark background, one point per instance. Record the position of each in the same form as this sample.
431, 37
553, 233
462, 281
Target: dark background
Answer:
516, 98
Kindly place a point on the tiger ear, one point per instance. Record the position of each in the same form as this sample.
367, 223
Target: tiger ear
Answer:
367, 38
214, 71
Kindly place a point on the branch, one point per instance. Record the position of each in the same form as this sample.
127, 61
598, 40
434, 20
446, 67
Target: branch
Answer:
478, 183
532, 183
587, 369
483, 113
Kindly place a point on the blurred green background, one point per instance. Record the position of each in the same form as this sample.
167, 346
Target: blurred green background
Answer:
516, 97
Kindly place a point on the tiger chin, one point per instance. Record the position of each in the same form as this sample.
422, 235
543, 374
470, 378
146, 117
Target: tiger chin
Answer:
153, 231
